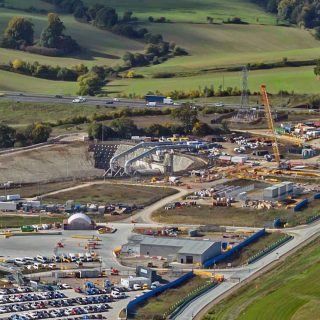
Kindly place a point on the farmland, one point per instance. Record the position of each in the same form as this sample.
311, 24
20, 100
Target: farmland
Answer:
300, 80
210, 46
290, 289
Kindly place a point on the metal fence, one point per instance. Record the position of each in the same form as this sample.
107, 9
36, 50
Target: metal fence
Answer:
131, 307
238, 247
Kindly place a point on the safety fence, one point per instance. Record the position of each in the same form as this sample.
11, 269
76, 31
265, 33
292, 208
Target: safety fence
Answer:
312, 218
270, 248
131, 307
235, 249
300, 205
175, 309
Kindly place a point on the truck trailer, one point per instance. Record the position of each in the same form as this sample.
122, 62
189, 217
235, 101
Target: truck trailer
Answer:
130, 281
157, 99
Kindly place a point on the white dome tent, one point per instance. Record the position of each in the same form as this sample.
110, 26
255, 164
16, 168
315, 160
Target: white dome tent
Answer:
79, 221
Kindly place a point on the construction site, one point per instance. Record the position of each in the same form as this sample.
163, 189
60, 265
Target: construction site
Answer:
140, 215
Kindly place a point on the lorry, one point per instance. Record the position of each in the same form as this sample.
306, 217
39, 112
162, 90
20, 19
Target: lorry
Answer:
8, 206
131, 281
158, 99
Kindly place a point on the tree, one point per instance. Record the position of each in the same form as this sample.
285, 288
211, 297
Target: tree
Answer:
316, 69
201, 129
127, 16
38, 132
106, 18
18, 33
52, 36
124, 127
317, 33
187, 115
100, 131
7, 136
90, 84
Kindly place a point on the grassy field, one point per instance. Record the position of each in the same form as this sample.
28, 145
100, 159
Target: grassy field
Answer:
233, 216
16, 221
210, 46
113, 193
25, 113
100, 47
288, 292
192, 10
10, 81
300, 80
157, 306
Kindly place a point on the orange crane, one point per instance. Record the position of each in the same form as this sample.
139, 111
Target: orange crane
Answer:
267, 110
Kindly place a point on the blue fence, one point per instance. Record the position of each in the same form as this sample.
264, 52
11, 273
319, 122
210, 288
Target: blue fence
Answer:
238, 247
316, 196
299, 206
131, 307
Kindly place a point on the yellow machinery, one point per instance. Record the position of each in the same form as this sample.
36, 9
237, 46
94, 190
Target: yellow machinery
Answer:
267, 109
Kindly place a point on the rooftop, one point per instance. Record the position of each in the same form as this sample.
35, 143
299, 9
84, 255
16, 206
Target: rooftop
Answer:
186, 245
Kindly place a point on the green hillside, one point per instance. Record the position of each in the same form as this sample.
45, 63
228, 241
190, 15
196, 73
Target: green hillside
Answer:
100, 47
299, 80
289, 292
193, 10
210, 46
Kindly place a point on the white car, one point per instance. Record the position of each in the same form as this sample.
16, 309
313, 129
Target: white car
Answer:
219, 104
136, 287
116, 99
79, 100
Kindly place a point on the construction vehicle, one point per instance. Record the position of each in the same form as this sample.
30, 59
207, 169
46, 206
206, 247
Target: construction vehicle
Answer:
218, 277
114, 271
275, 145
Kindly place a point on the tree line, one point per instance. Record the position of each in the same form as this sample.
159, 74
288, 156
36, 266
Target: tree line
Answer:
34, 133
300, 12
156, 51
19, 35
125, 128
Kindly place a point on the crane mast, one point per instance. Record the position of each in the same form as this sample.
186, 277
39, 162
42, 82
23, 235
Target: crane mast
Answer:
267, 110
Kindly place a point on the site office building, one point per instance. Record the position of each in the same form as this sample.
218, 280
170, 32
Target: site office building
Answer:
182, 250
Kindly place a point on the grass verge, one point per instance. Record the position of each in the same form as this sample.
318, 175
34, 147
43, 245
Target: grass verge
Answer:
290, 288
157, 306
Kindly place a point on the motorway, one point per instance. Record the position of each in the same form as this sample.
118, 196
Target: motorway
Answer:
107, 102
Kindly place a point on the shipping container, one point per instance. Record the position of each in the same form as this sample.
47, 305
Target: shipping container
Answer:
8, 206
13, 197
271, 192
129, 282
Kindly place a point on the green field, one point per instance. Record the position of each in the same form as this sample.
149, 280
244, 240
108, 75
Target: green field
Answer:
289, 292
209, 47
299, 80
10, 81
192, 10
20, 114
212, 46
100, 47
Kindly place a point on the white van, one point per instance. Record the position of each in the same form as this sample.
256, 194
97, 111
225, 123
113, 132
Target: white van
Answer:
72, 257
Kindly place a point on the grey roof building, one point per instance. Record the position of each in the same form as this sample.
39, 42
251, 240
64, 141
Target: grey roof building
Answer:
184, 250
